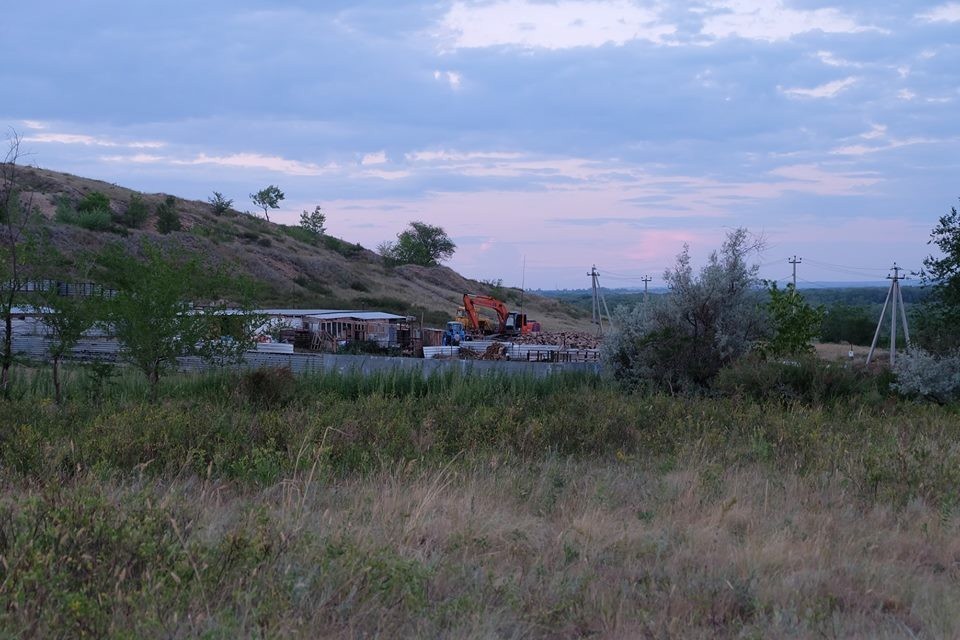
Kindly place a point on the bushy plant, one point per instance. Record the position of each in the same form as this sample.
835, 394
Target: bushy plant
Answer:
919, 373
346, 249
65, 211
136, 213
94, 201
806, 379
313, 222
269, 386
680, 341
220, 204
98, 220
167, 217
794, 323
89, 218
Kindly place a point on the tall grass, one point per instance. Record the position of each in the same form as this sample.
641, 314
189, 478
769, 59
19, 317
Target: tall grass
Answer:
458, 506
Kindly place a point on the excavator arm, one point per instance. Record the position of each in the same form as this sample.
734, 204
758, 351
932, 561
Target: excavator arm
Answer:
471, 302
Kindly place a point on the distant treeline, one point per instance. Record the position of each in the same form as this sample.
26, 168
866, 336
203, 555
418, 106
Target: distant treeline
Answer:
851, 315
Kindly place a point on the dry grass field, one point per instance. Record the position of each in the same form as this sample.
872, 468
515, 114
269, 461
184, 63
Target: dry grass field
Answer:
403, 507
554, 549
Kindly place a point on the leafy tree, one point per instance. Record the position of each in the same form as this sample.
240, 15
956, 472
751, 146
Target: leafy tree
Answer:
66, 318
154, 317
136, 213
847, 323
167, 217
94, 201
795, 323
220, 204
313, 222
18, 252
267, 198
939, 322
681, 340
421, 244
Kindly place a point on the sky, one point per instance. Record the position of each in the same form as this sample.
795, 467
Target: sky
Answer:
544, 136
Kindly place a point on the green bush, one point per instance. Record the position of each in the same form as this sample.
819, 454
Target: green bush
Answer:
269, 386
136, 213
94, 201
95, 220
346, 249
168, 219
806, 379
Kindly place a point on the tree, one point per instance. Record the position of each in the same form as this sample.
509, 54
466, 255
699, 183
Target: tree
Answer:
681, 340
220, 204
154, 317
313, 222
94, 201
136, 213
267, 198
421, 244
939, 322
18, 252
794, 322
167, 217
66, 317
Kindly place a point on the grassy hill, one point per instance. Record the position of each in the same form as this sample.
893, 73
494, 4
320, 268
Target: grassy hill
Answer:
292, 268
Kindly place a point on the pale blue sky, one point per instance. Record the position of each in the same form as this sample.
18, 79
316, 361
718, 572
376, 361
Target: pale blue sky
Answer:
571, 132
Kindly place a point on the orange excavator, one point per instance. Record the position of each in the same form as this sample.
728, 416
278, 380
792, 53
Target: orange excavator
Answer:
511, 322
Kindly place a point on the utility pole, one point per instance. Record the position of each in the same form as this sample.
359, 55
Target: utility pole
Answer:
795, 261
598, 299
645, 279
894, 296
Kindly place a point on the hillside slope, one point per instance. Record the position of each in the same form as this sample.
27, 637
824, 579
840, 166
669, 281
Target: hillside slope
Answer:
291, 269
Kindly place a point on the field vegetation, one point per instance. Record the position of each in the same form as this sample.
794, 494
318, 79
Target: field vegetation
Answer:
265, 505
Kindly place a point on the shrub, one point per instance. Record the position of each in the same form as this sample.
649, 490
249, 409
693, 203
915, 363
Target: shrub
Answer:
923, 374
807, 379
346, 249
94, 201
65, 211
136, 213
299, 233
167, 217
94, 220
220, 204
269, 386
679, 341
264, 242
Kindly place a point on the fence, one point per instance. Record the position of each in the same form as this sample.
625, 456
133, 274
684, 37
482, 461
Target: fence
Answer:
35, 347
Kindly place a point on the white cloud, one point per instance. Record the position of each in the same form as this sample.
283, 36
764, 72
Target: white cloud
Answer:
34, 124
893, 143
829, 59
949, 12
83, 139
442, 155
257, 161
380, 157
906, 94
235, 161
876, 131
771, 20
828, 90
453, 78
558, 25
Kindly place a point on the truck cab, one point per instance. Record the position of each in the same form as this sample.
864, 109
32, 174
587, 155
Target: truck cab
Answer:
454, 334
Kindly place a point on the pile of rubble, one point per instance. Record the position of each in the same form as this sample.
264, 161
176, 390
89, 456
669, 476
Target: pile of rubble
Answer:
565, 339
496, 351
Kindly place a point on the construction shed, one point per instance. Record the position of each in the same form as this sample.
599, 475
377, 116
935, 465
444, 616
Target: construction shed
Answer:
386, 329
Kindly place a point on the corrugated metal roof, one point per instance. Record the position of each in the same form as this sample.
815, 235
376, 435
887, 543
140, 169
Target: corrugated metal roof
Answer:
354, 315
